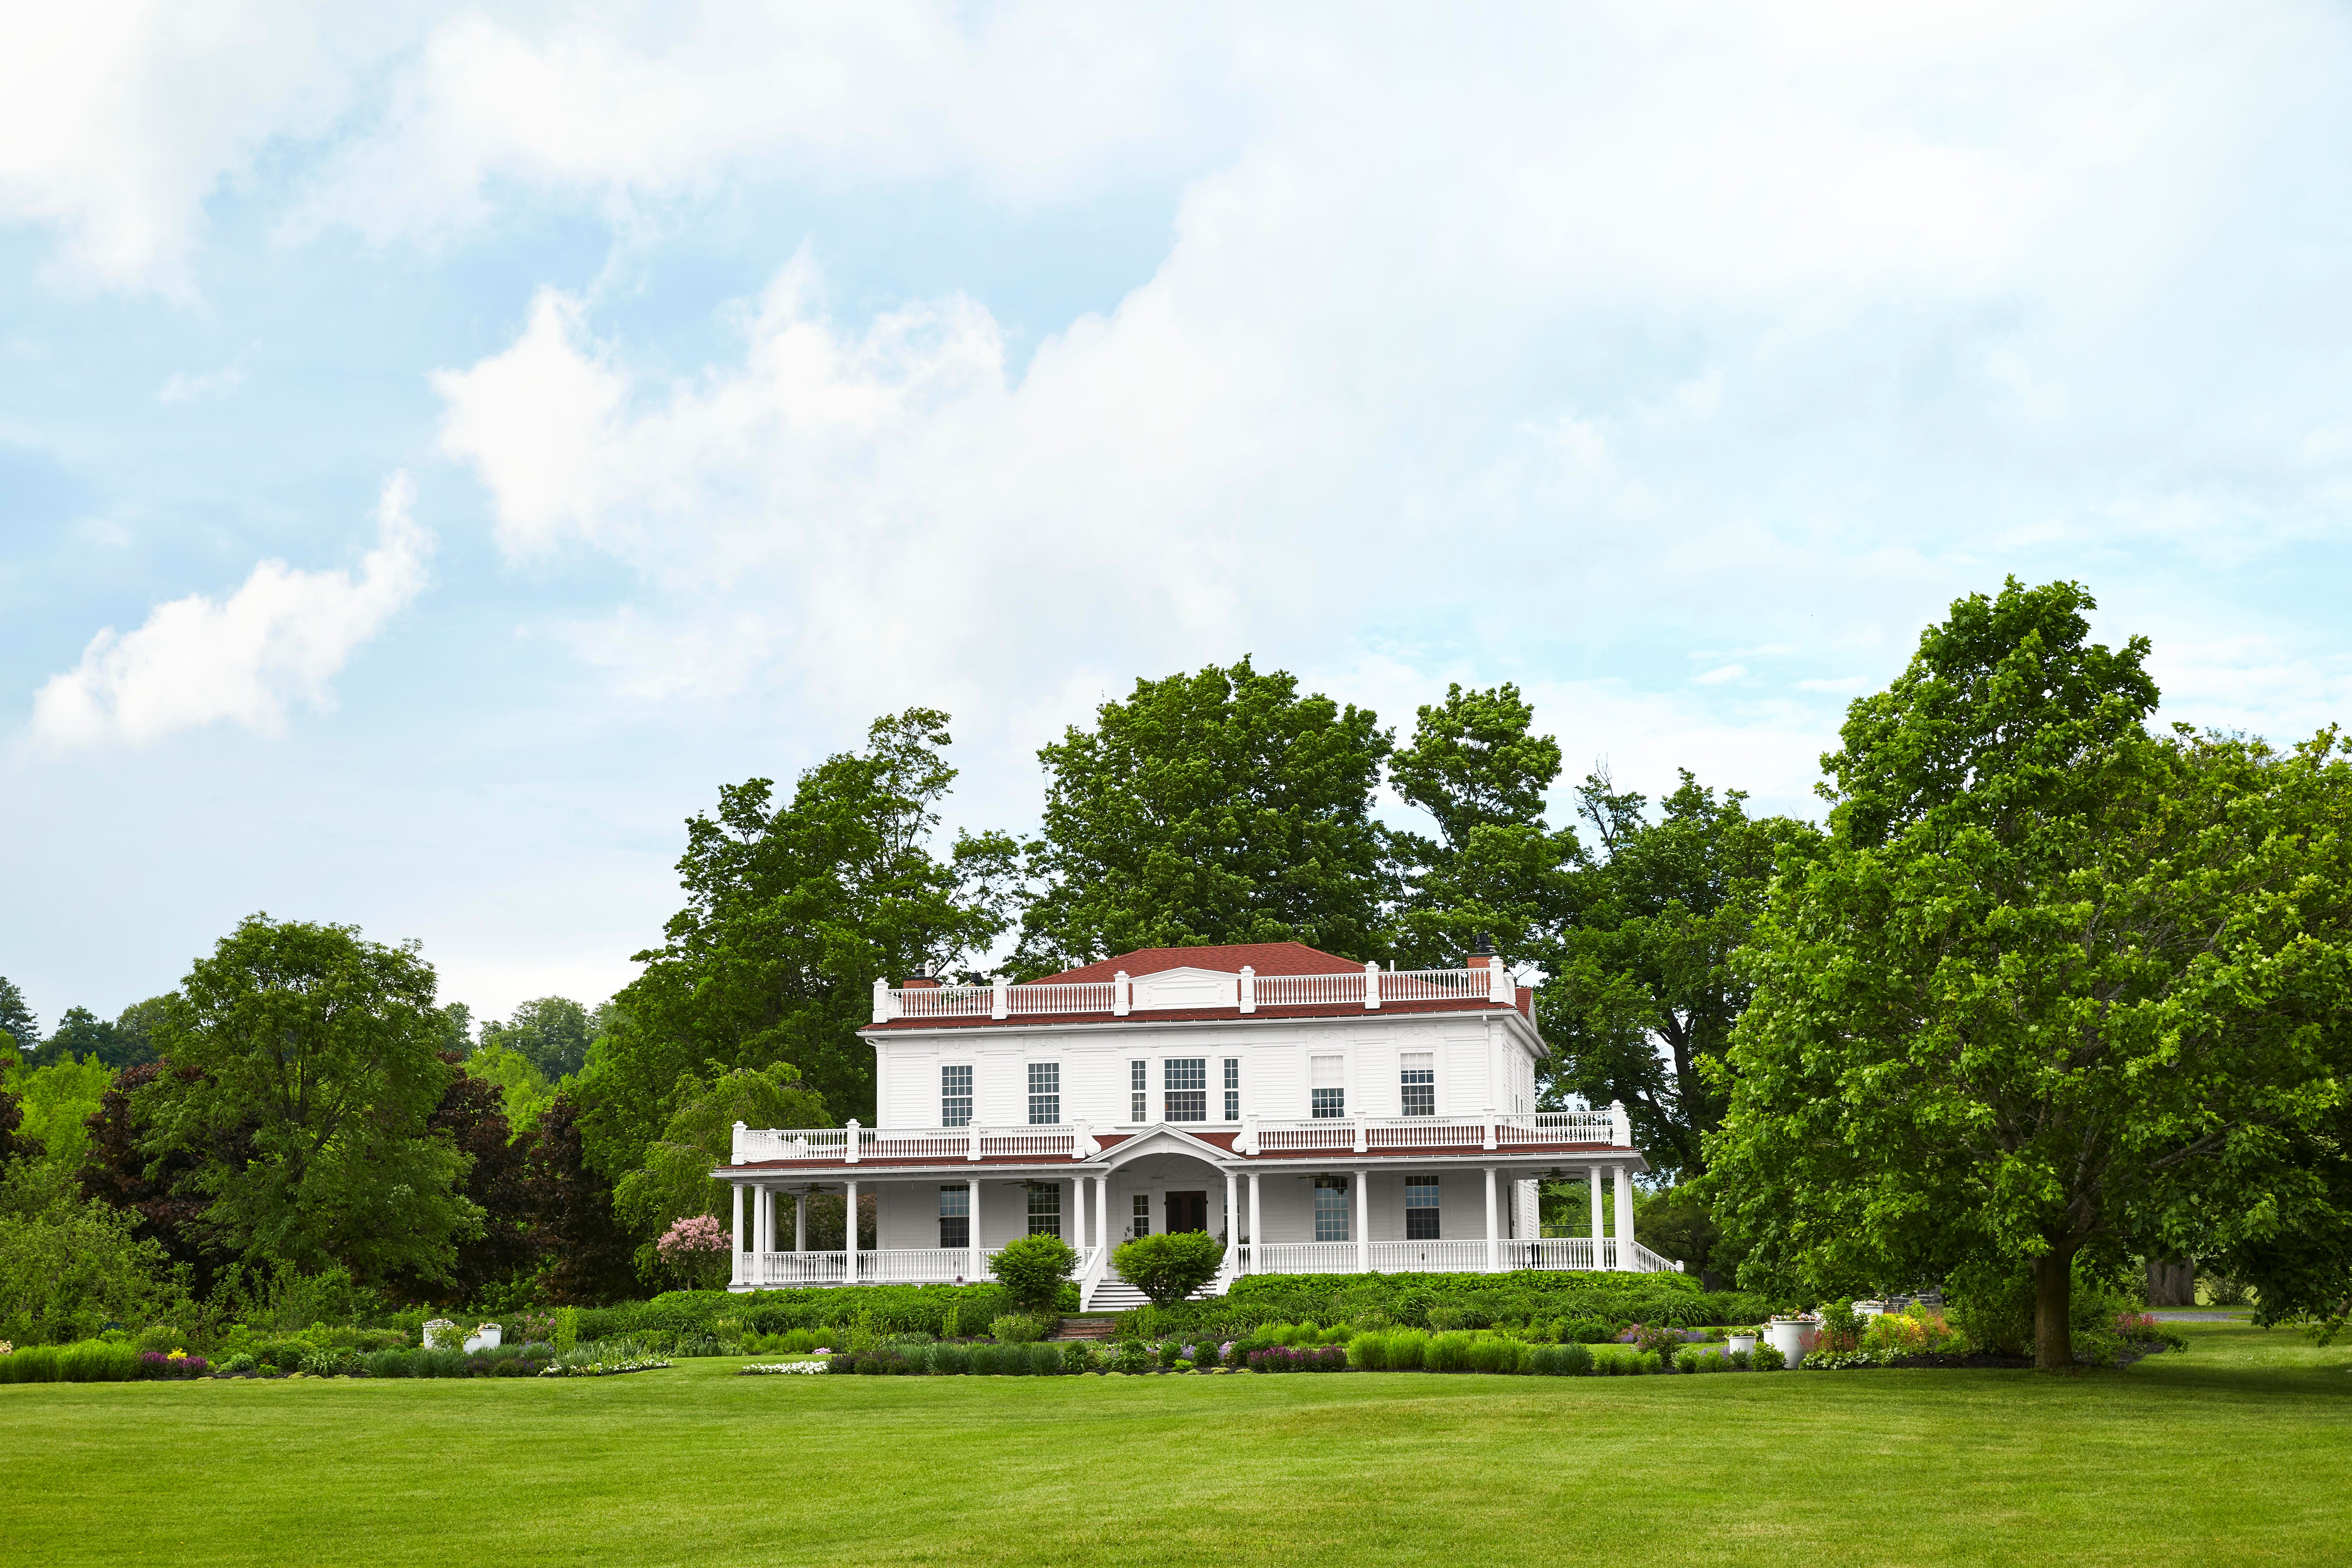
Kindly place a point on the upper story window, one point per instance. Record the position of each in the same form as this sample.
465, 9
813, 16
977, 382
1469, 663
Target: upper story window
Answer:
1420, 1208
1184, 1088
955, 1097
1328, 1087
1417, 1081
1232, 1089
1138, 1096
1045, 1094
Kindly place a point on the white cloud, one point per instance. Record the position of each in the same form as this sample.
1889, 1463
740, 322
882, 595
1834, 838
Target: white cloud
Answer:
279, 639
183, 387
1718, 675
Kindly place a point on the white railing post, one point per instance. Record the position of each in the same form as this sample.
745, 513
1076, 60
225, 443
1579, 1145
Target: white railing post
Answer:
1247, 1143
1002, 1005
1620, 1125
1083, 1145
1249, 989
1488, 1126
735, 1145
972, 1130
1371, 985
849, 1142
1360, 1133
1122, 992
881, 1000
1499, 981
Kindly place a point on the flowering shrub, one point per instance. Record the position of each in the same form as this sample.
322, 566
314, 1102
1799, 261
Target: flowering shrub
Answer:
176, 1363
762, 1369
575, 1368
696, 1249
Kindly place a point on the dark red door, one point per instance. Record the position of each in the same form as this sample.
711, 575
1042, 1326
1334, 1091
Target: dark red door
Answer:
1188, 1211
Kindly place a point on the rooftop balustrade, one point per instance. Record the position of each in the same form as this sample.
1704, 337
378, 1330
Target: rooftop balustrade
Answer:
1244, 992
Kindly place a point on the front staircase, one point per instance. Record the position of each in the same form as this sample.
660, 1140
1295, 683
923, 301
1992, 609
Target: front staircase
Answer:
1116, 1295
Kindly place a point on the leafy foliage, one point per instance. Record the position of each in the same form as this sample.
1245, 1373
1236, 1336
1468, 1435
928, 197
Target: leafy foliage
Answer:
58, 1099
2054, 985
673, 1183
1647, 961
1220, 806
320, 1050
1033, 1269
590, 1257
16, 1019
1170, 1265
68, 1264
550, 1033
791, 912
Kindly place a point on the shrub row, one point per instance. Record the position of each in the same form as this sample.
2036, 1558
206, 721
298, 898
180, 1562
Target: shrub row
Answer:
86, 1360
1444, 1301
946, 1311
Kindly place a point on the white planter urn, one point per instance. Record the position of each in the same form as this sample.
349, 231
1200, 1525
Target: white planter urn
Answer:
1792, 1337
486, 1338
1741, 1345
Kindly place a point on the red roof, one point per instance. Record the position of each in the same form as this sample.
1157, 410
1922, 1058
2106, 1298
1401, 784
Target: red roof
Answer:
1266, 957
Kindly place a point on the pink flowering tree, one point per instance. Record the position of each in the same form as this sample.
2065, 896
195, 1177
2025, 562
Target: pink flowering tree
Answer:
695, 1251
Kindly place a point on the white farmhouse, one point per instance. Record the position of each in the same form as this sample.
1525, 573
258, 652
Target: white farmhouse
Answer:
1321, 1116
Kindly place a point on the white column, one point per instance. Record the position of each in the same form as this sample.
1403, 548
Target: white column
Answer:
972, 1195
800, 1222
760, 1220
1078, 1235
1593, 1175
1257, 1228
849, 1234
735, 1216
1624, 1217
1233, 1217
1364, 1220
1494, 1242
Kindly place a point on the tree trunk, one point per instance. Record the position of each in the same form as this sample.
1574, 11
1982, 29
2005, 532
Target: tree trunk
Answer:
2053, 1297
2171, 1284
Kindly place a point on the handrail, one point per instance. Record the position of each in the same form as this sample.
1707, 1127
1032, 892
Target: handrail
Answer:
1368, 987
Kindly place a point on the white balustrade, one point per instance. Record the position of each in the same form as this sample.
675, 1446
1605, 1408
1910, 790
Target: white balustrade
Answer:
1353, 988
1429, 1256
1301, 1258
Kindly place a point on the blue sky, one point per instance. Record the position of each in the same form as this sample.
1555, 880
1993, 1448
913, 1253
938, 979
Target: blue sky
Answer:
439, 447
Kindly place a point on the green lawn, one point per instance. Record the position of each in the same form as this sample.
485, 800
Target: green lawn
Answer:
2240, 1451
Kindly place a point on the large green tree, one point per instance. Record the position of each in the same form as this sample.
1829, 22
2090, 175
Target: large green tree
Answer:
2055, 988
552, 1032
1496, 867
320, 1050
674, 1182
16, 1019
791, 912
1642, 991
1220, 806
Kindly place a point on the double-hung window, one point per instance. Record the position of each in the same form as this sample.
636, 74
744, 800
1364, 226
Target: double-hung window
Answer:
1139, 1095
955, 1216
955, 1097
1232, 1089
1420, 1208
1330, 1209
1184, 1088
1143, 1214
1329, 1086
1045, 1094
1046, 1209
1417, 1082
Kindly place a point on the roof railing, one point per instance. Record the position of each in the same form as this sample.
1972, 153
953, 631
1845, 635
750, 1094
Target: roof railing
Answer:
1249, 992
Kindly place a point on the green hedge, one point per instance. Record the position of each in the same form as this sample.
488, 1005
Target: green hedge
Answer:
1473, 1301
895, 1308
86, 1361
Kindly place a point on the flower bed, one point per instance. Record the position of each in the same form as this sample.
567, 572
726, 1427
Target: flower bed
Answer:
788, 1368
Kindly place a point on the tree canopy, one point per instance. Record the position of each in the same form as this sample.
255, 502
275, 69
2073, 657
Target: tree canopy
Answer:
791, 912
552, 1032
2054, 987
320, 1049
1220, 806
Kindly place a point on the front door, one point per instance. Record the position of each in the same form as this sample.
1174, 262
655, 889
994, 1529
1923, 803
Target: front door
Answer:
1188, 1211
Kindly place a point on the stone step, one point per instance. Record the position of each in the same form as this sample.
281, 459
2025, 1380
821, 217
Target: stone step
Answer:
1085, 1329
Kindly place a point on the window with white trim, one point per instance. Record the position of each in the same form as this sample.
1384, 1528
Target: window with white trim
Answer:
1184, 1088
1044, 1093
1142, 1214
1328, 1087
1420, 1208
1330, 1209
1417, 1082
955, 1097
955, 1216
1138, 1097
1046, 1208
1232, 1089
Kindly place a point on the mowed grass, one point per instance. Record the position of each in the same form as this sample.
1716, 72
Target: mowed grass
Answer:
2240, 1451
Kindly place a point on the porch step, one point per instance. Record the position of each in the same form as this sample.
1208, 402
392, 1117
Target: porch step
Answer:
1116, 1295
1085, 1329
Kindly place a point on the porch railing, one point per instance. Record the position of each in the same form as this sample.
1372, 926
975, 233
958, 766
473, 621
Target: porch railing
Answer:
941, 1266
884, 1266
850, 1144
1367, 1134
1368, 987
